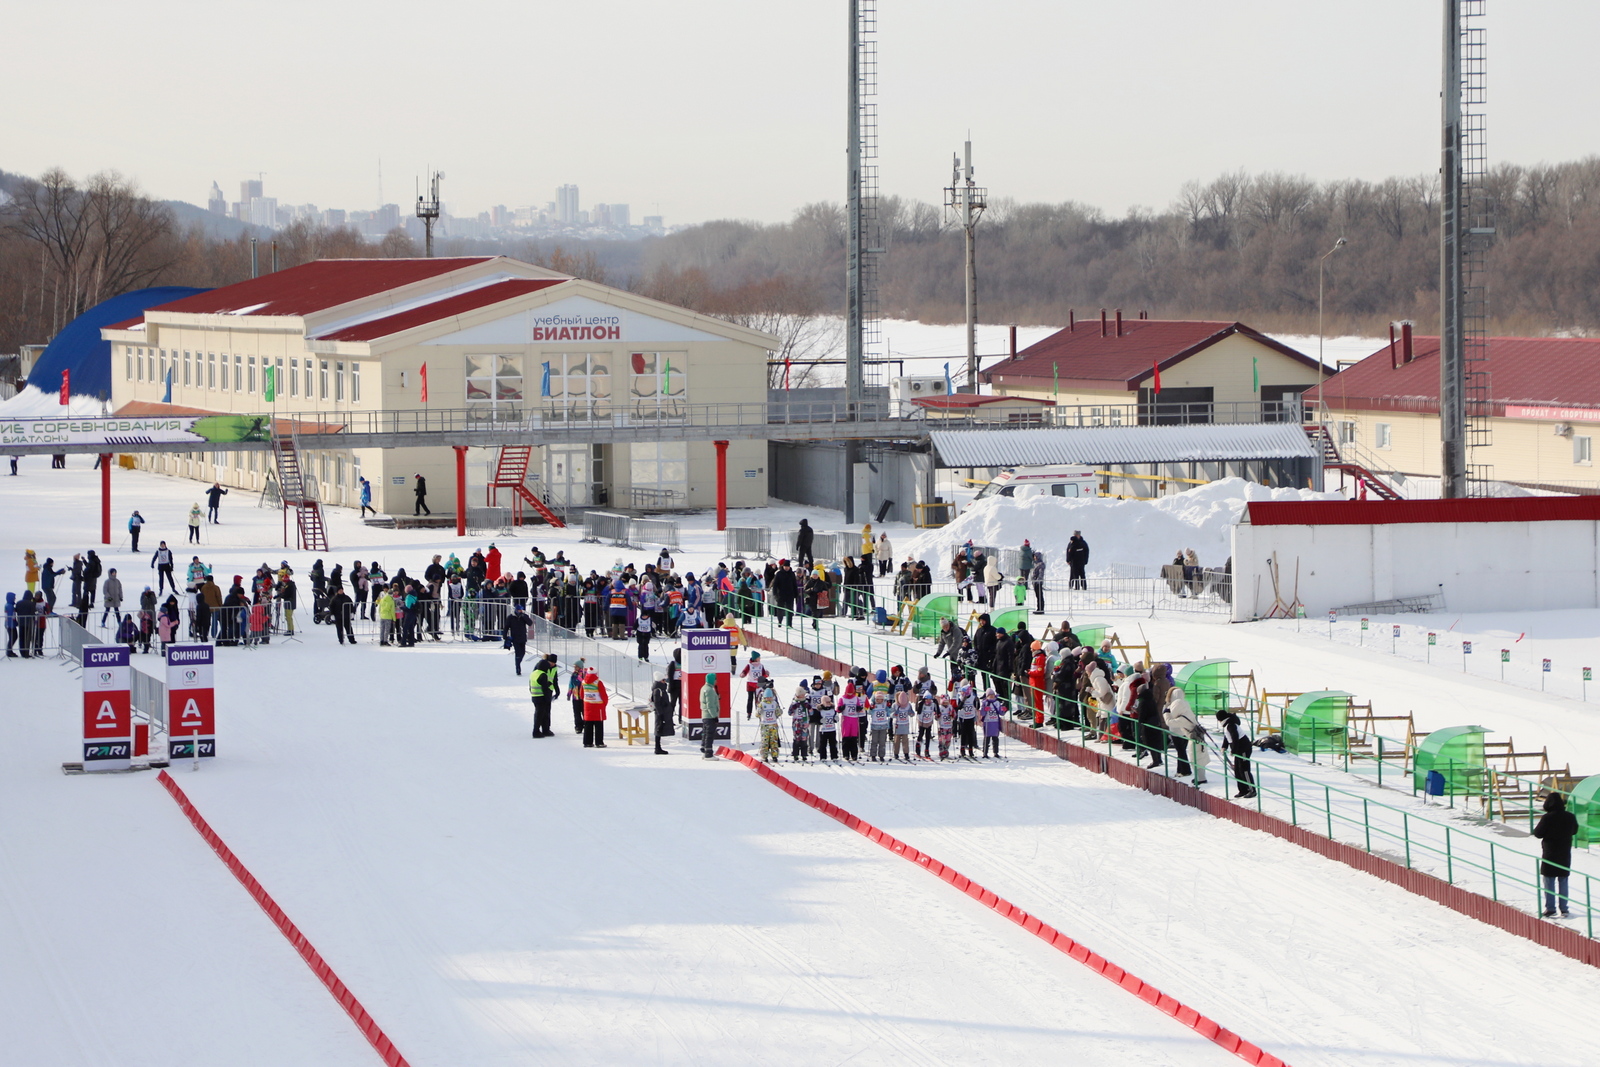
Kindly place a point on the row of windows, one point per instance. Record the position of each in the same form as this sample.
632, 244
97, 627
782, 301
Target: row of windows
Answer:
314, 379
330, 467
1383, 438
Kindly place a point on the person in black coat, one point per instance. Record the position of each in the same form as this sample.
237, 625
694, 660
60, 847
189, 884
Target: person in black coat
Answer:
1152, 727
1555, 831
802, 545
516, 630
342, 609
1005, 655
661, 703
1077, 561
422, 497
91, 578
785, 588
983, 642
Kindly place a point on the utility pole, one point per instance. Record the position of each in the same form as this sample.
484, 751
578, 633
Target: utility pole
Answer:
965, 202
428, 212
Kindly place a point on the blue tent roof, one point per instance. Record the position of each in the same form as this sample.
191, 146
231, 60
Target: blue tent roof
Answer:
79, 348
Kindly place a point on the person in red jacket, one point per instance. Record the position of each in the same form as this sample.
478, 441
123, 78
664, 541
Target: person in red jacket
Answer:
1036, 678
595, 699
491, 562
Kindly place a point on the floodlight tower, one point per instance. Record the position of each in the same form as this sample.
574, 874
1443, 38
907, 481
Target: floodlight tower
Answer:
1465, 232
862, 244
428, 212
964, 201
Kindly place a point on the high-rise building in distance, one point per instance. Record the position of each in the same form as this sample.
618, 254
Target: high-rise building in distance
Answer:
567, 204
216, 203
619, 216
248, 191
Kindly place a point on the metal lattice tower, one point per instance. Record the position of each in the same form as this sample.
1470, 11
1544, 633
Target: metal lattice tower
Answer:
863, 329
428, 212
1466, 234
964, 202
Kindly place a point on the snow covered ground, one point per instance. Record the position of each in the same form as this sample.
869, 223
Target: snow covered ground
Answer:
493, 899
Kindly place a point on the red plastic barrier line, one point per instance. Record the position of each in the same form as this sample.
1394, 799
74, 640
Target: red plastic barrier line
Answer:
368, 1026
1183, 1014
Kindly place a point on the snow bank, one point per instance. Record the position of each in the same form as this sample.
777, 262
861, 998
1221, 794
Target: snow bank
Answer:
1127, 537
34, 403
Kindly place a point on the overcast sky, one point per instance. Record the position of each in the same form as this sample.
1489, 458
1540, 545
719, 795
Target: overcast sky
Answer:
735, 108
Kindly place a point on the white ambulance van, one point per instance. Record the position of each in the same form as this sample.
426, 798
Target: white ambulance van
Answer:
1063, 480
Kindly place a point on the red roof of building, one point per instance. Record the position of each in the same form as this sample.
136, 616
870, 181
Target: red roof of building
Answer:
1383, 512
449, 307
317, 286
1523, 372
1082, 354
968, 400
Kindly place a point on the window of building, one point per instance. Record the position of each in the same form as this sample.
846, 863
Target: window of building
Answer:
222, 378
1382, 434
138, 362
656, 384
186, 377
575, 386
1025, 418
1583, 451
252, 377
127, 355
294, 377
238, 374
494, 385
161, 355
310, 393
355, 383
338, 381
211, 370
660, 465
1347, 433
277, 379
355, 468
322, 380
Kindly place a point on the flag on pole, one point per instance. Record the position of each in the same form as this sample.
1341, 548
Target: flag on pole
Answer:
786, 374
269, 383
1155, 386
1055, 373
424, 383
1255, 375
544, 382
949, 390
666, 378
66, 387
166, 397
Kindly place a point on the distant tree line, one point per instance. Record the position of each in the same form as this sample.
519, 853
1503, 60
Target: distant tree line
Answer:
1238, 247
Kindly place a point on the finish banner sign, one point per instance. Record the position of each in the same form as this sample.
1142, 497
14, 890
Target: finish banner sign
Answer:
129, 433
107, 707
191, 702
706, 652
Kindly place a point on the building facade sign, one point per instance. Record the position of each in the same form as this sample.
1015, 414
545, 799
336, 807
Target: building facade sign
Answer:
130, 433
1514, 411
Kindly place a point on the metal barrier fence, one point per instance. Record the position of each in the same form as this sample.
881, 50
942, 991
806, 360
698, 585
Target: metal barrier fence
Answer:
1310, 801
627, 678
652, 532
605, 526
149, 697
748, 542
487, 520
71, 639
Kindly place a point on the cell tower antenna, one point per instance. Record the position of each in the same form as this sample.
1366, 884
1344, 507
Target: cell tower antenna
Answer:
964, 202
1466, 231
862, 244
428, 212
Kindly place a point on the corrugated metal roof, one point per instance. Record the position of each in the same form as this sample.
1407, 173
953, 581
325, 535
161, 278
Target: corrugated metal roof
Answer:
1531, 371
316, 286
1083, 354
1121, 444
449, 307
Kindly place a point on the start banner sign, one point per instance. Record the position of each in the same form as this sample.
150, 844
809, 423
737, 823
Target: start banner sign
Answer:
191, 701
707, 652
107, 707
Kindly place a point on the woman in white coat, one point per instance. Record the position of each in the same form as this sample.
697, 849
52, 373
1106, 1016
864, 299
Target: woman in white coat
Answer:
1186, 730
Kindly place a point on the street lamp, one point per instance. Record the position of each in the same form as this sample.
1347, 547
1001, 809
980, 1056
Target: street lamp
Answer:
1321, 270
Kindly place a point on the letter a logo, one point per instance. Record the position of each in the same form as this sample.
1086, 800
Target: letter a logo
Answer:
106, 712
191, 712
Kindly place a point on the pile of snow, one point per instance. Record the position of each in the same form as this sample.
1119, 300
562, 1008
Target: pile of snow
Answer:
34, 403
1126, 537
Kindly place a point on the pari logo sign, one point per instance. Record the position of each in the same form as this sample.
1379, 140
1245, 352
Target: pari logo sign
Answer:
191, 702
707, 652
107, 707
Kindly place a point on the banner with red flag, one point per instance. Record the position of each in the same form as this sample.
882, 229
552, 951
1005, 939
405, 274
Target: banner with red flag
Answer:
66, 387
424, 383
1155, 386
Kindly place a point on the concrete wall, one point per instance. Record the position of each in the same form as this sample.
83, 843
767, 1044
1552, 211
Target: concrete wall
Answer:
1478, 566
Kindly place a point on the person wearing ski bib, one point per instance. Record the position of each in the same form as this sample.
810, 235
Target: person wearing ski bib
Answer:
770, 714
827, 731
1036, 677
993, 710
799, 728
755, 674
900, 716
595, 700
878, 719
966, 721
927, 713
850, 723
947, 724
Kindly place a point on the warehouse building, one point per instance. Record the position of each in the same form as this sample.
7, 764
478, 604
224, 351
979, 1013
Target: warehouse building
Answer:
498, 339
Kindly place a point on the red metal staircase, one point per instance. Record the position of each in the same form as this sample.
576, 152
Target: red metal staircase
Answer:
310, 534
511, 472
1333, 461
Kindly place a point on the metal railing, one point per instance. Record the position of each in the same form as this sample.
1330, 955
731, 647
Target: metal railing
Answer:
647, 499
747, 542
1340, 812
149, 697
